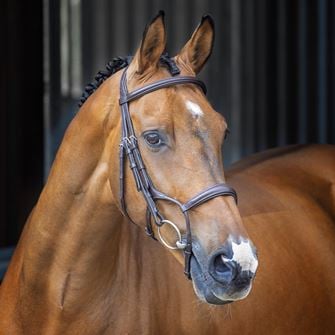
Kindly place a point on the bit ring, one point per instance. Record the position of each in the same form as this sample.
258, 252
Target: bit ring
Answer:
179, 244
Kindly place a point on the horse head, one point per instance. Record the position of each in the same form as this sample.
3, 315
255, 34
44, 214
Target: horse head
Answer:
179, 137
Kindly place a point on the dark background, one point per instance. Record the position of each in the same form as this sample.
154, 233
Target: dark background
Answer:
271, 75
21, 113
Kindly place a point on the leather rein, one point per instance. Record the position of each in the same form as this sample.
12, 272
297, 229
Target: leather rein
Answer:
129, 148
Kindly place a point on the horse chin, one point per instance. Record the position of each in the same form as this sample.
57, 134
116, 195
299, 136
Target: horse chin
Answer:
209, 291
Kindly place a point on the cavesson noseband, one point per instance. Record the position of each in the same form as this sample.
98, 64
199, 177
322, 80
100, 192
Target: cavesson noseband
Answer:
129, 148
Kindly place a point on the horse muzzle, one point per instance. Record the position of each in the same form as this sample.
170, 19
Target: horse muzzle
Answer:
227, 274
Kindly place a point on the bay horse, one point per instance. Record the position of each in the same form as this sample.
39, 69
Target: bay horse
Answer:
80, 267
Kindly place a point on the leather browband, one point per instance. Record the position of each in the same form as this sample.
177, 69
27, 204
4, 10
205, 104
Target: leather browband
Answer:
157, 85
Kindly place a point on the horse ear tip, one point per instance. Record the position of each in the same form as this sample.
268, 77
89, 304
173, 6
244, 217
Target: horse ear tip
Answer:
160, 14
209, 18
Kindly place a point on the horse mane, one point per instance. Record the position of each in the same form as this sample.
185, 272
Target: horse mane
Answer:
115, 65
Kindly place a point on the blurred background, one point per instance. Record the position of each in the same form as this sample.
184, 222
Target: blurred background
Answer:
271, 75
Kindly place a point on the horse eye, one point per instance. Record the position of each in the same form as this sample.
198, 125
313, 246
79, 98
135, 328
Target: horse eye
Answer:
153, 139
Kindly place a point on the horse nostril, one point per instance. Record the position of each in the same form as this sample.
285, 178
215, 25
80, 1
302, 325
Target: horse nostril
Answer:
220, 265
223, 270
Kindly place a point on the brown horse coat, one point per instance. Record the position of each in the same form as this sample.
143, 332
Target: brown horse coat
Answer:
287, 202
81, 268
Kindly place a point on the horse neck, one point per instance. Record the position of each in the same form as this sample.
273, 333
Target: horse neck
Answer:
75, 230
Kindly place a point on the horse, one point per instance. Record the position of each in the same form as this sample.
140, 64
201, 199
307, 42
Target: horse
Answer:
81, 267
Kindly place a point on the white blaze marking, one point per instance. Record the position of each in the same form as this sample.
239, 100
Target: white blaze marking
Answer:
194, 109
244, 256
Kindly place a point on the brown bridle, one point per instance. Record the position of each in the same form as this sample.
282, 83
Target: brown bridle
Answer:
129, 146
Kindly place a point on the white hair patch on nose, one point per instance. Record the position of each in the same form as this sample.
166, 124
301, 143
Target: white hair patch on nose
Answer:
244, 256
194, 109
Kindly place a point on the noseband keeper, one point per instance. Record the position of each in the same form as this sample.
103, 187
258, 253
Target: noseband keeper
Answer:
129, 148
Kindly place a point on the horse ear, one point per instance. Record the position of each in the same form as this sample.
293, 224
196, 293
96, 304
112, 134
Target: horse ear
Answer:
152, 45
198, 49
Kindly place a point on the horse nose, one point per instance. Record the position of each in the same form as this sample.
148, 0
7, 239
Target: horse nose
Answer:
222, 269
243, 279
228, 272
234, 264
